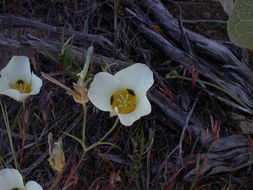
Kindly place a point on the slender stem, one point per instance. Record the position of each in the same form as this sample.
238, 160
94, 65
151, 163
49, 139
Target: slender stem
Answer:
85, 150
84, 123
57, 179
87, 62
7, 124
108, 133
83, 138
80, 161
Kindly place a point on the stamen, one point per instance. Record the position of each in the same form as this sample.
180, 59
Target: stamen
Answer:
118, 100
124, 101
22, 86
121, 95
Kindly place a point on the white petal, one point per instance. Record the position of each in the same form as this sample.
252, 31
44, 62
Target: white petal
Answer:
143, 108
113, 113
10, 178
32, 185
137, 77
36, 84
101, 89
4, 84
5, 89
15, 94
18, 68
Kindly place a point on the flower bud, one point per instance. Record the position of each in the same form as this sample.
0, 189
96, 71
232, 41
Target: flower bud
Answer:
57, 157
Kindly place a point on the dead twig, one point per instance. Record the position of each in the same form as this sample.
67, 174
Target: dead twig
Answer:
185, 127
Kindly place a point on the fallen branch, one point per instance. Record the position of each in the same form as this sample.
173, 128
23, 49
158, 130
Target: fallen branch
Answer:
233, 80
30, 42
18, 26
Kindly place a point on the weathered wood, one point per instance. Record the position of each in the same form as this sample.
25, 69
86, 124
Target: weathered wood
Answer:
16, 25
199, 43
232, 80
198, 129
30, 42
228, 161
229, 153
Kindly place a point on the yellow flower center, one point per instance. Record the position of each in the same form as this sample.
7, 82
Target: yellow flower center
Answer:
15, 188
22, 86
124, 101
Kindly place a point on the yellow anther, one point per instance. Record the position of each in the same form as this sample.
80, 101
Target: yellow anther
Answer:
124, 101
22, 86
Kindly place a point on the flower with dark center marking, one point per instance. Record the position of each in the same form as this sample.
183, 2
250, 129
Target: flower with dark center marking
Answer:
17, 81
123, 94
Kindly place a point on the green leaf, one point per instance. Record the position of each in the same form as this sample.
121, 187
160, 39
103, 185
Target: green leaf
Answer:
101, 143
107, 143
240, 24
77, 139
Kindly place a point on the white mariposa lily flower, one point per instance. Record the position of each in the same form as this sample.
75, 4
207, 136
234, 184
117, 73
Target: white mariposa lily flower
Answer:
17, 81
11, 179
123, 94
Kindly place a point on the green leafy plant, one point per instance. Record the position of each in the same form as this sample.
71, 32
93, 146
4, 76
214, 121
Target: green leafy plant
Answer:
240, 23
65, 60
140, 148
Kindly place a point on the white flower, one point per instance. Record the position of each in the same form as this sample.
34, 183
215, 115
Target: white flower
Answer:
123, 94
11, 179
17, 81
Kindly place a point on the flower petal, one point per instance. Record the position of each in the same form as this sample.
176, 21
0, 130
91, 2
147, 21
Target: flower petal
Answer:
36, 84
143, 108
113, 113
15, 94
4, 84
137, 77
18, 68
32, 185
5, 89
101, 90
10, 178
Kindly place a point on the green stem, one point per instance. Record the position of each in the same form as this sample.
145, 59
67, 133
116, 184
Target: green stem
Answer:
108, 133
84, 123
58, 178
85, 150
83, 138
7, 124
80, 161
